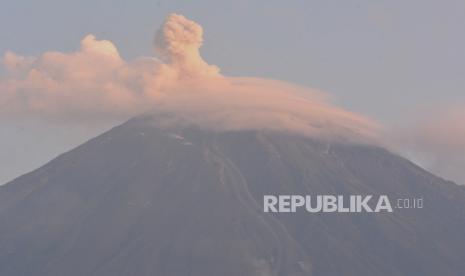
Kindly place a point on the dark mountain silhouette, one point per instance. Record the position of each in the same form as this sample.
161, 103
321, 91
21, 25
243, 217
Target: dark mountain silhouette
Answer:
147, 200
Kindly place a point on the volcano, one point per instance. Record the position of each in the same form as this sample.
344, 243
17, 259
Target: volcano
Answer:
144, 199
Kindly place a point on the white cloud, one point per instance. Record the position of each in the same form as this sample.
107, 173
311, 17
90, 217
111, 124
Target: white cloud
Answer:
95, 83
437, 142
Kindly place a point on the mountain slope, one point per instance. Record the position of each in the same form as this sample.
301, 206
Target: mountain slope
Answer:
147, 200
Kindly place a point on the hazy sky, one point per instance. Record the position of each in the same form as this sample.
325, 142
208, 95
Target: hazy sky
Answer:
384, 59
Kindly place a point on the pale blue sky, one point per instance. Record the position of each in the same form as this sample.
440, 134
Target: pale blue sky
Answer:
379, 58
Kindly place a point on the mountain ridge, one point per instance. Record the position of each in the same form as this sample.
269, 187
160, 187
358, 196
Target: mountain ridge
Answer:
144, 200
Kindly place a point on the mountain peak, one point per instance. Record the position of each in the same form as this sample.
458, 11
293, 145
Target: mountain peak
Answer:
148, 199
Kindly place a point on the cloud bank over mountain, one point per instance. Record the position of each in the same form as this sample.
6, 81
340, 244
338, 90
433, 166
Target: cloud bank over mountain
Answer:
94, 83
437, 141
